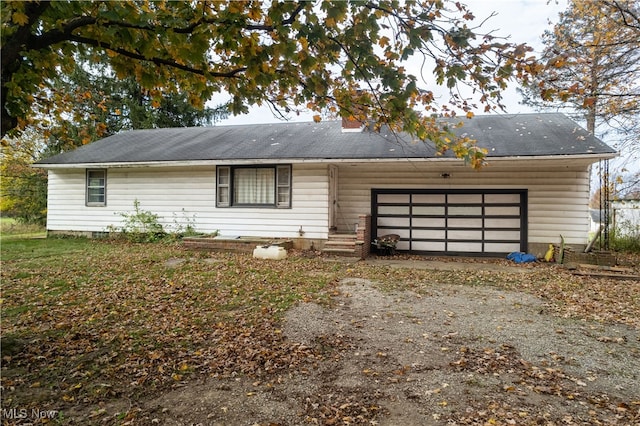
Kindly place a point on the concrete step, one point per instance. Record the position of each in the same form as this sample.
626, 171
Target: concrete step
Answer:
340, 243
342, 237
339, 252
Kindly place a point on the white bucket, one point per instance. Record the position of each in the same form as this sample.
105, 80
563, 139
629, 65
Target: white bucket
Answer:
269, 252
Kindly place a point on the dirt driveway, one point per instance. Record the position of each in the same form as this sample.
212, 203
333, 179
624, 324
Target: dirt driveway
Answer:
449, 355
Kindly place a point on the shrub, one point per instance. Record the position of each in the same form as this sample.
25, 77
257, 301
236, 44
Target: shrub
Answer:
141, 225
186, 227
625, 237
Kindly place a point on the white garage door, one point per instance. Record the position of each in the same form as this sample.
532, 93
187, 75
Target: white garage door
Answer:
454, 221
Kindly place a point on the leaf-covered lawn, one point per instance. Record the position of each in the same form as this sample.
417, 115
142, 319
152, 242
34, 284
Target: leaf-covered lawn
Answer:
85, 321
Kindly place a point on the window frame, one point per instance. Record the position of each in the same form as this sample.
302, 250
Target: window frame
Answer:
88, 188
225, 186
223, 189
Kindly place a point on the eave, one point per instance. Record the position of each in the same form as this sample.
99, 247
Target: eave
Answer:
587, 158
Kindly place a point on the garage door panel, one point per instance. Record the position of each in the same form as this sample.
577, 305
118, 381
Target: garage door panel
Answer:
429, 234
464, 199
428, 210
464, 235
394, 198
464, 247
465, 210
428, 198
394, 221
432, 222
438, 246
394, 210
465, 223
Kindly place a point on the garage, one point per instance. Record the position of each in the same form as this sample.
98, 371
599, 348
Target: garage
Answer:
488, 222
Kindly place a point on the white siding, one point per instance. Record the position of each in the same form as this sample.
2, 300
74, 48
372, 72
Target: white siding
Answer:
557, 201
176, 194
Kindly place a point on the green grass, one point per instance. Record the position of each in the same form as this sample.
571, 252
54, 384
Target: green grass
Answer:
629, 242
43, 249
11, 229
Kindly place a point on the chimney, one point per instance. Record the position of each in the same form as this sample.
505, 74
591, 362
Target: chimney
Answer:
351, 125
355, 121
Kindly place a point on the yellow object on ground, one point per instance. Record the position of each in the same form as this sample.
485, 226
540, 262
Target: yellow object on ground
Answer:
549, 255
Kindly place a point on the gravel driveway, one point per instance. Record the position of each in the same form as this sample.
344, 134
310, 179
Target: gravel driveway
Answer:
455, 354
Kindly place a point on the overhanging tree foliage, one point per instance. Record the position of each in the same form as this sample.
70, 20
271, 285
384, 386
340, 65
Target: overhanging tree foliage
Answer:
345, 57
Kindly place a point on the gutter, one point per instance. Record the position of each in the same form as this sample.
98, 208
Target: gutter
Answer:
204, 163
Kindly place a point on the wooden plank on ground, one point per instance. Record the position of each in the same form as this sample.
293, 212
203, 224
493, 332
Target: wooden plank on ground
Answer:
604, 267
613, 275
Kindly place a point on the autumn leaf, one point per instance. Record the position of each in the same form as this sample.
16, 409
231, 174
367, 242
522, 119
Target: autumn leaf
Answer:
20, 18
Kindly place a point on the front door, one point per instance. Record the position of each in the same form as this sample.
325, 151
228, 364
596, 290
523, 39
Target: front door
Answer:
333, 197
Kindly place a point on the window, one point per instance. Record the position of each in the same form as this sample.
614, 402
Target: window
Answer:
224, 178
96, 187
265, 186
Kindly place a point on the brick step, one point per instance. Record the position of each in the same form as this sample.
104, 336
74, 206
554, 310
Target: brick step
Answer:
341, 245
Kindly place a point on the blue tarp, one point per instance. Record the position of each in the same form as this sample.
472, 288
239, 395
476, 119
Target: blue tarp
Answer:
520, 257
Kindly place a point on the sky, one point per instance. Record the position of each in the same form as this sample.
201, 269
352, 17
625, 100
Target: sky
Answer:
523, 20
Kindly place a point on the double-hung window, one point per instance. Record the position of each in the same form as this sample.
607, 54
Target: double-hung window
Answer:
255, 186
96, 188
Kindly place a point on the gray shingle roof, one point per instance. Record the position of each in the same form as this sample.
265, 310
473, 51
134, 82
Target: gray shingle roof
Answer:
503, 136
